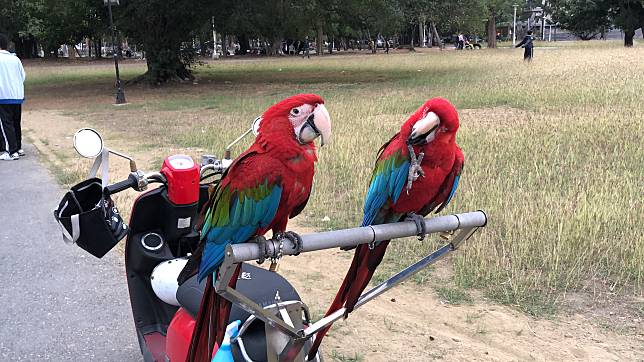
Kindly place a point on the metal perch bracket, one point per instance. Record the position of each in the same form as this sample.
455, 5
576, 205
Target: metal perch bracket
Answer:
296, 334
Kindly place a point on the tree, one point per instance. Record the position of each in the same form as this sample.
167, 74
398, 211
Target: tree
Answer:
20, 20
165, 30
583, 18
68, 22
496, 9
629, 16
586, 18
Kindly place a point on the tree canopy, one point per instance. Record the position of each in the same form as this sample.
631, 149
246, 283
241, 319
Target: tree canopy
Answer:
169, 32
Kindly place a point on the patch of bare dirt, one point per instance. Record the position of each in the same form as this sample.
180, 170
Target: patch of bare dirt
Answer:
409, 323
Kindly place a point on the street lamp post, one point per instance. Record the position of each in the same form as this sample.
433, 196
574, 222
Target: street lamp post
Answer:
514, 27
120, 94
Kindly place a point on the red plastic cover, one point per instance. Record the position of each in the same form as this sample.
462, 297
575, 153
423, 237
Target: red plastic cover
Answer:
183, 179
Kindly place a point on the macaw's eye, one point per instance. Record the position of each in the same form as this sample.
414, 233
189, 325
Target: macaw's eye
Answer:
295, 112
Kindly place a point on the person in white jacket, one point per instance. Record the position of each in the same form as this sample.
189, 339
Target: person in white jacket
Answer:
12, 94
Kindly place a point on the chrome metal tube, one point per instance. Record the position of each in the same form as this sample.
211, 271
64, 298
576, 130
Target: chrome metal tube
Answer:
357, 236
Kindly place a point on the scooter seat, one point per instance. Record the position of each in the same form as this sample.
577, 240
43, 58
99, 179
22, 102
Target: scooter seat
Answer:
260, 285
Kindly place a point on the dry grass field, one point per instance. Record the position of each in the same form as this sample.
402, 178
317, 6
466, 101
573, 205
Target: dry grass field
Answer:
553, 153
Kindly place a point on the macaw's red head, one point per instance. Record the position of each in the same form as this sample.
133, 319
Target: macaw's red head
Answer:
302, 117
436, 121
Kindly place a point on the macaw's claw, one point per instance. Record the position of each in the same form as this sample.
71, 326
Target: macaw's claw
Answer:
296, 239
420, 224
261, 241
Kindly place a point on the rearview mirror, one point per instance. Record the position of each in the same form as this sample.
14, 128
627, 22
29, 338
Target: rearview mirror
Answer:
88, 143
255, 126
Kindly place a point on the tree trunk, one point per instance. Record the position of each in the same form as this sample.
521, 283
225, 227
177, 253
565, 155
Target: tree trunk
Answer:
421, 33
438, 38
318, 42
276, 44
628, 38
98, 54
202, 45
243, 44
411, 43
491, 30
165, 64
78, 52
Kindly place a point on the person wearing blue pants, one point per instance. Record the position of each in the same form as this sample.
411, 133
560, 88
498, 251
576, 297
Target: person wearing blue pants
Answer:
12, 94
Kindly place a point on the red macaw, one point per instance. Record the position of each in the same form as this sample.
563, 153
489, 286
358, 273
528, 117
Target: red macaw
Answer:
264, 187
431, 133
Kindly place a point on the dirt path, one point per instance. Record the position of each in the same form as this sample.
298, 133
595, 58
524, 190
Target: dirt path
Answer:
409, 323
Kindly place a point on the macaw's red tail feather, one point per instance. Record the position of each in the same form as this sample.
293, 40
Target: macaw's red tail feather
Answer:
201, 344
211, 322
222, 308
367, 268
362, 267
337, 303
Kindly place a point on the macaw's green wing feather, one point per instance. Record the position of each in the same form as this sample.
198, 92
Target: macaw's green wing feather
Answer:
245, 203
387, 182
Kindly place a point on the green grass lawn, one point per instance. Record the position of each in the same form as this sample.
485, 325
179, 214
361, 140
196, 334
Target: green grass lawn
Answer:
553, 149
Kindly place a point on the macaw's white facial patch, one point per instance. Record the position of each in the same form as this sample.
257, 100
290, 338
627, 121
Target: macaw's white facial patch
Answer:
310, 122
298, 115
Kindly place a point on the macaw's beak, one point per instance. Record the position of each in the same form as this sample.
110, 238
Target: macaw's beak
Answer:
424, 130
317, 124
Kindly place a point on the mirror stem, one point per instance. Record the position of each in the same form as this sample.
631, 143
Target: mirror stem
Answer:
133, 167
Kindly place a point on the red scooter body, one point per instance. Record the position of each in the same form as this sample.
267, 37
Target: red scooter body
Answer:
179, 336
162, 228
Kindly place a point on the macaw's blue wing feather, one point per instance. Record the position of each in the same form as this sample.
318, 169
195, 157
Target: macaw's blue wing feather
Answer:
235, 217
453, 190
387, 182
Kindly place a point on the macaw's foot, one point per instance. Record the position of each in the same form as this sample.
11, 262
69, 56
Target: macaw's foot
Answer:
415, 170
420, 224
261, 241
296, 239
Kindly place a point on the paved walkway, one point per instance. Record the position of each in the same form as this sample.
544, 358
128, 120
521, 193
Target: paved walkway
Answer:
57, 303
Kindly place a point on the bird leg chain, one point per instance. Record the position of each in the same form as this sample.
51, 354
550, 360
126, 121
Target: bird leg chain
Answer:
275, 262
420, 224
415, 171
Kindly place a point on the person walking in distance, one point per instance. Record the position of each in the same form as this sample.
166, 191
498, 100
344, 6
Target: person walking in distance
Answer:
527, 44
12, 94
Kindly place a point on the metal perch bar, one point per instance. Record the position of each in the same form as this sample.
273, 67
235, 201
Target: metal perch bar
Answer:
357, 236
468, 223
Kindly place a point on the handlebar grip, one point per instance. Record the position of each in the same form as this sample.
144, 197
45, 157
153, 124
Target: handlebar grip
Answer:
121, 185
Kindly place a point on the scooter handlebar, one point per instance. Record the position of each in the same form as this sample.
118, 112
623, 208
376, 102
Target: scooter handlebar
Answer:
131, 182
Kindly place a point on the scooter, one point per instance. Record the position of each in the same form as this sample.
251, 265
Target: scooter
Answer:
276, 324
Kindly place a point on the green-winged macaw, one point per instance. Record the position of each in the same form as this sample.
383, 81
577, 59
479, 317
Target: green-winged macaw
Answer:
397, 190
264, 187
